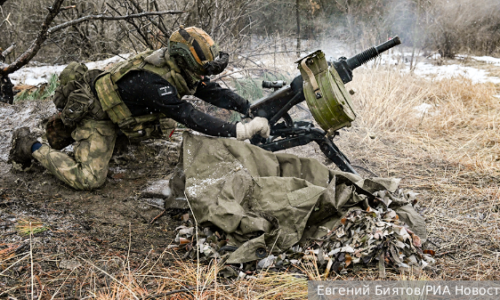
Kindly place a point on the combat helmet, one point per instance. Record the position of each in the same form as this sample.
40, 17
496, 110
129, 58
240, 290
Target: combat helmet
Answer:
198, 50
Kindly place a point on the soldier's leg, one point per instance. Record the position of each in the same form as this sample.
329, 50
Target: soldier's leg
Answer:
93, 147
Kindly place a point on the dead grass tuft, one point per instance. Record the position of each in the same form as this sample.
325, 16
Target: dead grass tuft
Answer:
452, 118
30, 226
448, 154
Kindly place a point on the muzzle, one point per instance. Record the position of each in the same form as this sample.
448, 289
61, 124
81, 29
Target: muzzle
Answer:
217, 66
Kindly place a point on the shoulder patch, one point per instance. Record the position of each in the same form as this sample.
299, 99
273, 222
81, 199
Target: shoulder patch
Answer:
165, 90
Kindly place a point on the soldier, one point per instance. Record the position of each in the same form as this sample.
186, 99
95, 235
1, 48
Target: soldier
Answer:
139, 97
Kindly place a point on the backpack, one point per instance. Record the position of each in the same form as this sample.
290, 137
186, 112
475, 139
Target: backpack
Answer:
74, 97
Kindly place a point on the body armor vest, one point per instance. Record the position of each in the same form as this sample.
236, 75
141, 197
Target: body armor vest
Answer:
118, 112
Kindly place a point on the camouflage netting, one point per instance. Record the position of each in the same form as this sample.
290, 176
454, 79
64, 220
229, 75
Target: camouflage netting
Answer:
278, 210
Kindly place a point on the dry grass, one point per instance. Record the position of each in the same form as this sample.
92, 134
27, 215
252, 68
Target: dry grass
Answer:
461, 125
185, 281
448, 155
153, 278
30, 226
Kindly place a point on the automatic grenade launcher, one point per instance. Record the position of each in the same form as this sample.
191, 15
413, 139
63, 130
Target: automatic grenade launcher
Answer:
321, 85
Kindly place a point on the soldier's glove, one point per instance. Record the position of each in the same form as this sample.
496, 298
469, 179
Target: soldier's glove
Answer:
58, 135
218, 65
256, 126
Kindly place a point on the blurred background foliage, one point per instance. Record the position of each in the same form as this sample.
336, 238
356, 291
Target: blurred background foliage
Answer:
247, 26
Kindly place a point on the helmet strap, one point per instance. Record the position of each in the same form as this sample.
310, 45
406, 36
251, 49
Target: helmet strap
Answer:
190, 76
167, 53
197, 48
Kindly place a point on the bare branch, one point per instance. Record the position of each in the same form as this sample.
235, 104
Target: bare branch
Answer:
144, 40
4, 54
68, 7
46, 30
24, 58
106, 17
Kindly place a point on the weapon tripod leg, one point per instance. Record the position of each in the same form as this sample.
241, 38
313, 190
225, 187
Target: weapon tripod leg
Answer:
334, 154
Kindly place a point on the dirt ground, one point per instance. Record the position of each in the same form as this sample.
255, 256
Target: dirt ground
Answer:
92, 224
86, 243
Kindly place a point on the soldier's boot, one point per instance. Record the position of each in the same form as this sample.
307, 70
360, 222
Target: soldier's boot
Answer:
22, 140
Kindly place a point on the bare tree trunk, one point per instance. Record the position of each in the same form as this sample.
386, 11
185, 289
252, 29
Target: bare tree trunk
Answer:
298, 27
6, 86
6, 89
415, 37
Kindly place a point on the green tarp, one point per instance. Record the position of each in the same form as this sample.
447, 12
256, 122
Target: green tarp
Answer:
267, 202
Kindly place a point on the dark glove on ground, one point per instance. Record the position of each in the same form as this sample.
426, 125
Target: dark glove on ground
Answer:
22, 140
58, 135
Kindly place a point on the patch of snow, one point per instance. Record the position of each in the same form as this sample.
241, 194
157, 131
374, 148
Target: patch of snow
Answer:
408, 54
486, 59
35, 75
435, 56
38, 75
424, 109
387, 59
103, 63
451, 71
26, 113
439, 72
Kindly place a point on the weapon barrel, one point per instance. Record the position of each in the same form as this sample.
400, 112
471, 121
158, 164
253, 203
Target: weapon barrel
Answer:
371, 53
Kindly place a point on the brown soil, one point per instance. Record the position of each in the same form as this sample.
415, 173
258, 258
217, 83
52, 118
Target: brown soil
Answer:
88, 224
107, 231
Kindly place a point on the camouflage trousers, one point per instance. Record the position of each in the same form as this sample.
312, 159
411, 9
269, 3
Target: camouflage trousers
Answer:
93, 147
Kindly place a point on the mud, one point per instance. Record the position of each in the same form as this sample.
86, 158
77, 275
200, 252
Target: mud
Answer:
110, 214
121, 207
117, 220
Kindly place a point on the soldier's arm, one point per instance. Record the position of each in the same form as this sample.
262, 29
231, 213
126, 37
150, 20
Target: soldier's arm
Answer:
185, 113
213, 93
146, 93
